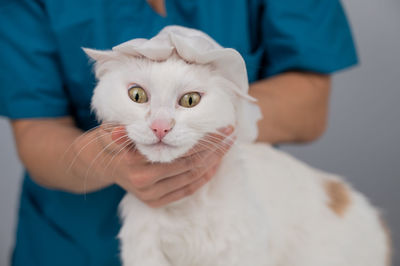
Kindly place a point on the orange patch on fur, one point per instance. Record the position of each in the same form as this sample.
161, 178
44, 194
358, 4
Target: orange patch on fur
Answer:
388, 242
339, 196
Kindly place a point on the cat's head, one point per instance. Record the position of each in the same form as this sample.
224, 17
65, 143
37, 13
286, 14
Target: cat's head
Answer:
168, 106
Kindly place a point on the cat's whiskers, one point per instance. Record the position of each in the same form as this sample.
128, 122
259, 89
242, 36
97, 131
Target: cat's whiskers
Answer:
225, 136
127, 148
83, 147
106, 126
125, 144
95, 159
230, 140
211, 147
216, 147
112, 151
97, 137
197, 153
214, 141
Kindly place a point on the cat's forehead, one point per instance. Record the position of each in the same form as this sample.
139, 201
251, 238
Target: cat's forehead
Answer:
171, 76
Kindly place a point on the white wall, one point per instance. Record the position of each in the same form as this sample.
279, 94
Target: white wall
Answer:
363, 137
362, 141
10, 178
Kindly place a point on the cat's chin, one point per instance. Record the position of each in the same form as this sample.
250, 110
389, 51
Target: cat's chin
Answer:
161, 152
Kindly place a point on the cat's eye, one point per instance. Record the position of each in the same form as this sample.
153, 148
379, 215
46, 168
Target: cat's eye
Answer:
190, 99
137, 94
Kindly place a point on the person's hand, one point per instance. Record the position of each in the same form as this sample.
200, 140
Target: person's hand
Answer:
158, 184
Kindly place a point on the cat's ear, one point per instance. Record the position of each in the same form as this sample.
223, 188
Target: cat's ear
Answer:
99, 55
101, 58
247, 111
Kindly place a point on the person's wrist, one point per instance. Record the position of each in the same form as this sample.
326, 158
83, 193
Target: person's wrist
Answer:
89, 159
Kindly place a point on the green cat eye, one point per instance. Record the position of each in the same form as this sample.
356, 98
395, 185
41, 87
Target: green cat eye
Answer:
190, 99
137, 94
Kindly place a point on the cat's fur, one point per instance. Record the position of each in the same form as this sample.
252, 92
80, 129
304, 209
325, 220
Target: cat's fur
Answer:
262, 208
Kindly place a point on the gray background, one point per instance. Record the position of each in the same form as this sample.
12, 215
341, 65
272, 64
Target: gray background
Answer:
362, 140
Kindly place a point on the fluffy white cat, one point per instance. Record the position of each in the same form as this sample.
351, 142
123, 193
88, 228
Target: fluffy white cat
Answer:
263, 207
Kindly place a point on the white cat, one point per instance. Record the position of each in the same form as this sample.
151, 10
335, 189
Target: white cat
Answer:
263, 207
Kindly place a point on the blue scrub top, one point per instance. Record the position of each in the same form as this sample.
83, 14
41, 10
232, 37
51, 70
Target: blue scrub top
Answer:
44, 73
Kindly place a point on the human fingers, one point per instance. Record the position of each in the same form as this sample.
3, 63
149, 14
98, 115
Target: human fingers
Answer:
146, 178
112, 137
143, 175
220, 148
119, 135
199, 161
174, 183
146, 175
185, 167
212, 139
184, 191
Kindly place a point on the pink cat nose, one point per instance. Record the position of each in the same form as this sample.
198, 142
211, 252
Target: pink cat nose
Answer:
161, 127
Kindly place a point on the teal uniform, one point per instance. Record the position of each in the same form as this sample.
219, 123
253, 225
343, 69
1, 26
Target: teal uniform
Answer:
44, 73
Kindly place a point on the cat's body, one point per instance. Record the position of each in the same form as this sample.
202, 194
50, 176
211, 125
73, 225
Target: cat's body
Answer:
262, 208
271, 210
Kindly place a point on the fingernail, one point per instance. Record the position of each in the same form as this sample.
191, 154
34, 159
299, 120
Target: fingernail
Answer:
227, 130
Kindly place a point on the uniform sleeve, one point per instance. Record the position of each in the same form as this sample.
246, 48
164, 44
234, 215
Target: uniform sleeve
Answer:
309, 35
30, 80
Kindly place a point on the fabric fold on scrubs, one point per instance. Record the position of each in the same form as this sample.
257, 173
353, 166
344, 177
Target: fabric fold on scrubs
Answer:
30, 75
311, 35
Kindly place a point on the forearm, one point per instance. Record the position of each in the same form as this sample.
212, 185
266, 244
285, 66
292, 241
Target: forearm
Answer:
294, 106
60, 156
51, 151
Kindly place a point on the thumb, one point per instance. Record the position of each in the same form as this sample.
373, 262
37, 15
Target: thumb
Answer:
119, 135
